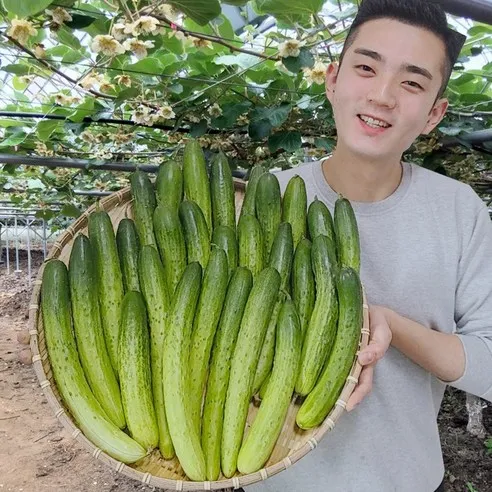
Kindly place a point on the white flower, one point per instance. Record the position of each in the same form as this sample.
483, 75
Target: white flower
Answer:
21, 30
106, 86
195, 119
107, 44
201, 43
124, 80
87, 137
290, 47
165, 112
144, 25
92, 79
180, 35
118, 31
42, 150
59, 15
62, 99
39, 50
169, 12
215, 110
316, 75
138, 47
143, 116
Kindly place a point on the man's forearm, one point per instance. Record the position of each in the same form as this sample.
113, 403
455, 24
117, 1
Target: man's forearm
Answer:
441, 354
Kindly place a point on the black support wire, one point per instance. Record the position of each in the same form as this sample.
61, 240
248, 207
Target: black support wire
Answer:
53, 162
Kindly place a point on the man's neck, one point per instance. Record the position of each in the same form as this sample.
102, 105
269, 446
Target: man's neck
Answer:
360, 180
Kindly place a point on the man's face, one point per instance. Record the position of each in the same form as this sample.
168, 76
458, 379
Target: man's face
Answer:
384, 91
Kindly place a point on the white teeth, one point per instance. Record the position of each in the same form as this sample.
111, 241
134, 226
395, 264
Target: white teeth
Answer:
373, 123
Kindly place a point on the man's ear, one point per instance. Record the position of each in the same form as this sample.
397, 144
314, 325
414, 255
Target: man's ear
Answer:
330, 80
436, 115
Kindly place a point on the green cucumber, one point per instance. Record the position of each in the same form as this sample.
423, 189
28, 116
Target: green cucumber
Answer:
214, 286
320, 221
144, 203
68, 373
267, 353
128, 248
224, 237
170, 239
268, 206
268, 423
251, 244
294, 207
157, 301
322, 326
324, 395
169, 184
196, 181
347, 235
255, 320
222, 193
282, 253
109, 279
89, 334
186, 440
135, 372
281, 260
197, 238
220, 365
248, 205
303, 287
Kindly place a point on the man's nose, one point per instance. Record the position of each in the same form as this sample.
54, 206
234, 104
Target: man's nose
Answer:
383, 94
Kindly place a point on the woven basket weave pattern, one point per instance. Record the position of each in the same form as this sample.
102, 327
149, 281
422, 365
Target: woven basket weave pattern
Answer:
292, 445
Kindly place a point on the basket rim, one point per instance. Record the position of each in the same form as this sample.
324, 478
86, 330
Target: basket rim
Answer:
62, 414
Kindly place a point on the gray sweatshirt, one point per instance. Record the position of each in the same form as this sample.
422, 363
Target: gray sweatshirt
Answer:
426, 254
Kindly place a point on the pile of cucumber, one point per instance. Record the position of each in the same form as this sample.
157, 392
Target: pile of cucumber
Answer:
161, 333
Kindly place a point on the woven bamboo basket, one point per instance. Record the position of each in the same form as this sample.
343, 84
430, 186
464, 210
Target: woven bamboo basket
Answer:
292, 444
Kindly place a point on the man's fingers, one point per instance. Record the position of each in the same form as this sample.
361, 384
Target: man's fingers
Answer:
362, 389
372, 353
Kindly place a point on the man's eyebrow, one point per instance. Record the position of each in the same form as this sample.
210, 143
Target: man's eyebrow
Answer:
370, 53
418, 70
407, 67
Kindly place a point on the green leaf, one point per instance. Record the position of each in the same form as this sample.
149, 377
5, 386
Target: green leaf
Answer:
66, 37
18, 69
24, 8
69, 210
198, 129
82, 110
13, 140
276, 115
324, 143
242, 60
148, 66
237, 3
259, 129
296, 63
46, 128
7, 123
289, 141
231, 113
80, 21
289, 10
201, 11
45, 214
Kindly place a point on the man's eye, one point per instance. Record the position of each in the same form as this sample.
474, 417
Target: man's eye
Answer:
365, 68
411, 83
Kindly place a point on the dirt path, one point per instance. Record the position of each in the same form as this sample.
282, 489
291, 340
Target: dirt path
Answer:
37, 454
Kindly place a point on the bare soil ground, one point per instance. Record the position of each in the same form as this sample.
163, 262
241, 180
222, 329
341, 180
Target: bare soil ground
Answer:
37, 454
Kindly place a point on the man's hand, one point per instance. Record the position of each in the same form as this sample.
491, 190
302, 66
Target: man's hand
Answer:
379, 342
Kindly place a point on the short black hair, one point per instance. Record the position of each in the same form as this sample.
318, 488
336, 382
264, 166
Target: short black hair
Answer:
419, 13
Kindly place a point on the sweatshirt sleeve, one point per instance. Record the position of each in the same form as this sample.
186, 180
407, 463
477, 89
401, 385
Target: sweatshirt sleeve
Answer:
473, 306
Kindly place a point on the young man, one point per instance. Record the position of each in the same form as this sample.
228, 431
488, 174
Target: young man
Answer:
426, 242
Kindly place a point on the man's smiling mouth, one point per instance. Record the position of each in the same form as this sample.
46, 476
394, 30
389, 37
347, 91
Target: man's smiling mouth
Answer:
373, 122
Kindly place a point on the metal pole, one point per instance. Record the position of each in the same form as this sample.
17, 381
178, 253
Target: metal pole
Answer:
44, 239
7, 245
28, 251
16, 246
